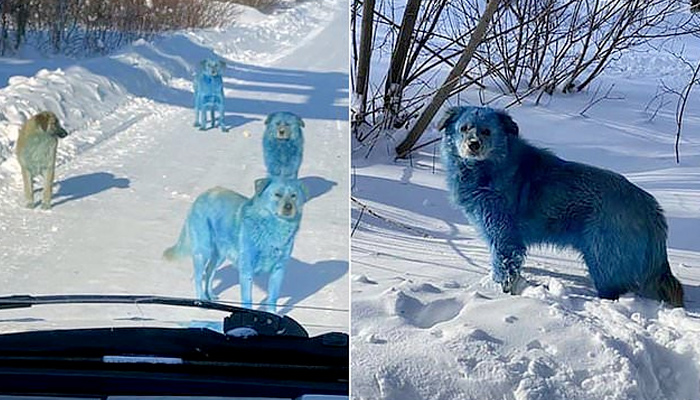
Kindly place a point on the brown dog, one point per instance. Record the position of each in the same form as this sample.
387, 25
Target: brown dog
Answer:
36, 153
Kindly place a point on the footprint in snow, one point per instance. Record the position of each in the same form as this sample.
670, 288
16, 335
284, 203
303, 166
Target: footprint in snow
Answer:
426, 288
483, 336
363, 279
423, 315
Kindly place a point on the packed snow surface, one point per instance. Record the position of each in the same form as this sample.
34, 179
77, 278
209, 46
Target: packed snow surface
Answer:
133, 164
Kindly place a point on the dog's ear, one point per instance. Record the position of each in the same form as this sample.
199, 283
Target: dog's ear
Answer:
509, 126
304, 192
43, 119
268, 119
222, 64
203, 64
260, 185
301, 121
449, 117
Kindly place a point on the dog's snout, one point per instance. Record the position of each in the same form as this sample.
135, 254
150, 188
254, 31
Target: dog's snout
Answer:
474, 145
283, 132
288, 209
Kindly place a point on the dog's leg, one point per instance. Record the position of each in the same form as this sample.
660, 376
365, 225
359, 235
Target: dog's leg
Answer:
210, 268
199, 263
196, 117
48, 187
221, 118
246, 270
603, 257
28, 181
507, 247
274, 284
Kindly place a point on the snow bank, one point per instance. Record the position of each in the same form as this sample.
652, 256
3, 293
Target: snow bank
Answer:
438, 342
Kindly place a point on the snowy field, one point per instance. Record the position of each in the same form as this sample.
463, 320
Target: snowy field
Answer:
427, 321
134, 163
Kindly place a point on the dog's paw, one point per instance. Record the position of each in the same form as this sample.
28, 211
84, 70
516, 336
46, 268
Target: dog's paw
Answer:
211, 297
512, 284
196, 124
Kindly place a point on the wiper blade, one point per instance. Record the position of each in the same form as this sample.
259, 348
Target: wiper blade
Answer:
264, 323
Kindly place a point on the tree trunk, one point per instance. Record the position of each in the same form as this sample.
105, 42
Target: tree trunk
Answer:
365, 57
21, 17
403, 149
394, 80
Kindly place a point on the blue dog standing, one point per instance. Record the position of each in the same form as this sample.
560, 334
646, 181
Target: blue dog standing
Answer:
209, 93
518, 195
256, 235
283, 144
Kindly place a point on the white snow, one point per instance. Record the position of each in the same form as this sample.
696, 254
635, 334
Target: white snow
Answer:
133, 164
428, 322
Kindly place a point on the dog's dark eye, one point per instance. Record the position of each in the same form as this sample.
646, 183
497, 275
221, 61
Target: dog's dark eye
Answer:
464, 128
278, 195
486, 132
294, 195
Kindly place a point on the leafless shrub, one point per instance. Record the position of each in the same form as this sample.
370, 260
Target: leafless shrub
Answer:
98, 26
596, 98
533, 47
564, 45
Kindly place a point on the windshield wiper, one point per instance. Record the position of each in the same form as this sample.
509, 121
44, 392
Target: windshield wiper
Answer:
264, 323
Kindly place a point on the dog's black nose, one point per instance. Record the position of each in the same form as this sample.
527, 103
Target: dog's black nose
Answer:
287, 206
474, 146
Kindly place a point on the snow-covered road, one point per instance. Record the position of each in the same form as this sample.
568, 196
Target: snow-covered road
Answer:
122, 196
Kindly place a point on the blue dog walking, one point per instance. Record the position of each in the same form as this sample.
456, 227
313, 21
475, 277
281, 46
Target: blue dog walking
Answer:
209, 94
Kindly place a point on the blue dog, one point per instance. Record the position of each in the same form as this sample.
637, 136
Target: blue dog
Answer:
209, 93
518, 195
256, 235
283, 144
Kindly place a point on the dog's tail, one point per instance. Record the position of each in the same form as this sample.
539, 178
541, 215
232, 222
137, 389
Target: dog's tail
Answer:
670, 289
181, 248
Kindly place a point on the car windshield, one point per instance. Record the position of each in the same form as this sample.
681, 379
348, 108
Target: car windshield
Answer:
189, 149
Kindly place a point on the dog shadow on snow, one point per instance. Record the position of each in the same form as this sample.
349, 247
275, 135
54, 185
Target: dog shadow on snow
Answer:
301, 280
80, 186
230, 121
259, 89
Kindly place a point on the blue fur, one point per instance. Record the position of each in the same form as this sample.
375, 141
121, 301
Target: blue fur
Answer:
518, 195
209, 93
252, 233
283, 156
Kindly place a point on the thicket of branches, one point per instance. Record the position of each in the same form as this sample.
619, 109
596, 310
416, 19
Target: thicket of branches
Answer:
75, 26
531, 48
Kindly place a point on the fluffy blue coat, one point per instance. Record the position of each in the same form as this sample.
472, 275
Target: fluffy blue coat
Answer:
209, 93
283, 144
256, 235
518, 195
